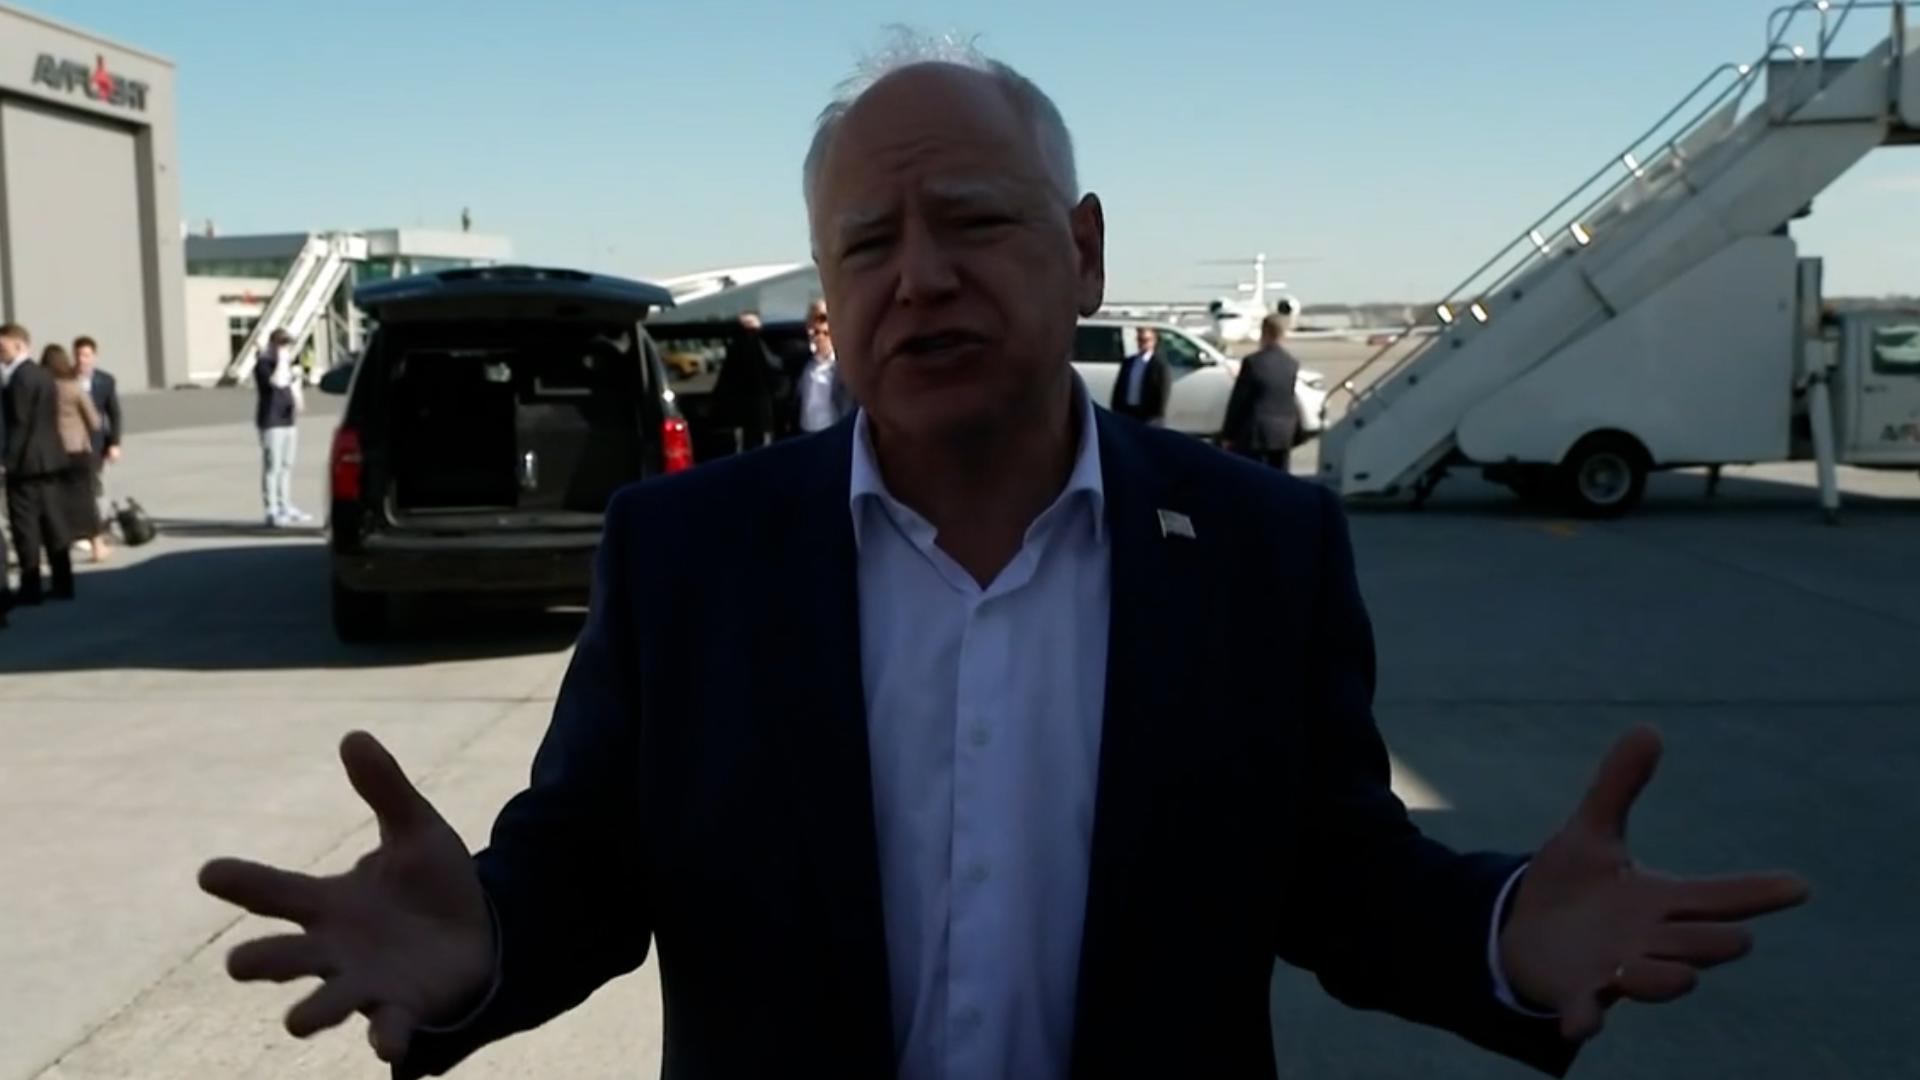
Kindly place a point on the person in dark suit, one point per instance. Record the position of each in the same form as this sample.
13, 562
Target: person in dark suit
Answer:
1263, 413
15, 346
743, 394
104, 389
957, 814
36, 464
1141, 389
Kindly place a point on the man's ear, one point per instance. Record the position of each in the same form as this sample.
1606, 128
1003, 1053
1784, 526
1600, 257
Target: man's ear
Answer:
1089, 224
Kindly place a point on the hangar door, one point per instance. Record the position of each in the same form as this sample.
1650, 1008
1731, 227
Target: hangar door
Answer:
73, 233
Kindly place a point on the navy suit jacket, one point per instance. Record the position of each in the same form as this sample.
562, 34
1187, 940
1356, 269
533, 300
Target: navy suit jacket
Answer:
704, 788
106, 399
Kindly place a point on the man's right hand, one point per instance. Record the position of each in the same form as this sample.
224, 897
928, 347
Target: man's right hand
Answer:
405, 937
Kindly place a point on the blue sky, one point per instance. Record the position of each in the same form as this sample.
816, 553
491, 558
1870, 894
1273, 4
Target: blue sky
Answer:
1394, 143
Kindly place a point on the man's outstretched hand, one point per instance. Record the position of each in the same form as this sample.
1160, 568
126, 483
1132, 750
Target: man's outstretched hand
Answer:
1589, 926
404, 937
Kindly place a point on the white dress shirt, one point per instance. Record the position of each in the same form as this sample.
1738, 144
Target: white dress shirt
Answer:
7, 368
816, 394
984, 710
1137, 378
984, 713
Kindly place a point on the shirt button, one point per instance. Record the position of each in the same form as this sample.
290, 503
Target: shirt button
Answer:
970, 1017
977, 873
979, 736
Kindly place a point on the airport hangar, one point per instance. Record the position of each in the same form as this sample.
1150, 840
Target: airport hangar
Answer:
90, 236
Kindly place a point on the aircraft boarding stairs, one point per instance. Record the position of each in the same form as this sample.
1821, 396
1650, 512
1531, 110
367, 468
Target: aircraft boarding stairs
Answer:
1703, 178
301, 299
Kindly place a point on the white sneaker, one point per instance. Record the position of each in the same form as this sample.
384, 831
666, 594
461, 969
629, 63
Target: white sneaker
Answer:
297, 516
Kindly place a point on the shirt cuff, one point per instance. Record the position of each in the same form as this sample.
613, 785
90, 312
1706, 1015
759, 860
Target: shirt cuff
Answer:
1501, 989
493, 987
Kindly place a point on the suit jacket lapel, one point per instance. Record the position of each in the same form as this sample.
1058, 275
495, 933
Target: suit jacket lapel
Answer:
815, 679
1159, 594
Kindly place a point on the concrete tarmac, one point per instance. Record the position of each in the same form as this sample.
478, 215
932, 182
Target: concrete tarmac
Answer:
189, 703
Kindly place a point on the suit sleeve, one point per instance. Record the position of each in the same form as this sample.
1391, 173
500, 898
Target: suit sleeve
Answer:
564, 869
112, 411
1233, 427
1387, 918
16, 409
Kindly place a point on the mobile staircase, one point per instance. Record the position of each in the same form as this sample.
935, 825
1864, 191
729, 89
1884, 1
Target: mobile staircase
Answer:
1739, 157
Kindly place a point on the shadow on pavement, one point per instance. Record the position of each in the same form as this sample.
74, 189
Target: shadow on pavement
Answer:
254, 607
215, 529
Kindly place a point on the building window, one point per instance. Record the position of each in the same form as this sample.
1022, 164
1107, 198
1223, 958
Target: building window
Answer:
239, 268
239, 328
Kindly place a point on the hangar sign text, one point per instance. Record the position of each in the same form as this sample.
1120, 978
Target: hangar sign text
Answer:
95, 81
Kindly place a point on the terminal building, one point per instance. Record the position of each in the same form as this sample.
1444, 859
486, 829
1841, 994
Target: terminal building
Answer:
90, 237
303, 282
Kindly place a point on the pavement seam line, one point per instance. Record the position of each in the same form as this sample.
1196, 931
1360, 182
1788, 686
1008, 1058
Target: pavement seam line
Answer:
141, 995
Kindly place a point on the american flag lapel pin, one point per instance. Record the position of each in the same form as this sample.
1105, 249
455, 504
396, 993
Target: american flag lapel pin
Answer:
1174, 523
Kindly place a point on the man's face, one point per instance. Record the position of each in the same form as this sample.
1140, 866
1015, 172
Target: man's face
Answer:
12, 348
954, 270
1148, 338
83, 356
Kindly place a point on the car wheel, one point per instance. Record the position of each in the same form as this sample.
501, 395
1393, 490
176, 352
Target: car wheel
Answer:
359, 616
1604, 476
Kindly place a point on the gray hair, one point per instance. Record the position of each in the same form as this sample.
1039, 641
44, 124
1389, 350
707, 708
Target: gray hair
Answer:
905, 48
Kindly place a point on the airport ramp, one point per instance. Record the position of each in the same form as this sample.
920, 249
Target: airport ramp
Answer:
1740, 156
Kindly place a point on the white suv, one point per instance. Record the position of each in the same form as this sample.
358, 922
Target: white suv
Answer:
1202, 375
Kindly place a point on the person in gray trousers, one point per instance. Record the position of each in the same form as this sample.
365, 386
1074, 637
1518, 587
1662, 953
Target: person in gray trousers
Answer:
276, 381
1263, 415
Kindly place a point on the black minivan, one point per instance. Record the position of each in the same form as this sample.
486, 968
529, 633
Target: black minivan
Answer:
492, 415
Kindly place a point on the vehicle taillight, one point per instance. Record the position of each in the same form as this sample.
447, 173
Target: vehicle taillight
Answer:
676, 444
345, 464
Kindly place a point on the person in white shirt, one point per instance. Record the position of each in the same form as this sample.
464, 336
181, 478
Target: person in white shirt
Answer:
822, 395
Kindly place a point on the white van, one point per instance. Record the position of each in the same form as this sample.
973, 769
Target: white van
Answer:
1202, 375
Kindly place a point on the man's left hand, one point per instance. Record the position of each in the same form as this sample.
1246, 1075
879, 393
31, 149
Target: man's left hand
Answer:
113, 455
1589, 926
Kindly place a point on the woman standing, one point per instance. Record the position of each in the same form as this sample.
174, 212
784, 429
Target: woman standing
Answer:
73, 513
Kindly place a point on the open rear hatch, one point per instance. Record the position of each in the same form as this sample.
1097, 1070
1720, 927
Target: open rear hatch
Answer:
512, 425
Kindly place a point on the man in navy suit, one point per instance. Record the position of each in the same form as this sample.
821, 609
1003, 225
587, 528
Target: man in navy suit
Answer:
1140, 390
105, 391
942, 806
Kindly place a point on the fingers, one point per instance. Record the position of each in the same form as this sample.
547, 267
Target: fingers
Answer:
1648, 979
264, 890
378, 778
389, 1031
333, 1002
1700, 944
1741, 897
280, 959
1622, 775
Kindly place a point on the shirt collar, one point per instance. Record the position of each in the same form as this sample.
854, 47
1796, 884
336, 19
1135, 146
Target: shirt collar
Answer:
7, 368
866, 483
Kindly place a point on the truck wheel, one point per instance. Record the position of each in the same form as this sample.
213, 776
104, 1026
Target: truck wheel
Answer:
1604, 476
359, 616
